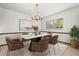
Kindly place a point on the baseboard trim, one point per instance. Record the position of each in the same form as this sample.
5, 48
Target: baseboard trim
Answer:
3, 45
64, 42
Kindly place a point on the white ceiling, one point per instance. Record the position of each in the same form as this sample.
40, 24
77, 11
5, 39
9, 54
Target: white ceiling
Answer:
44, 8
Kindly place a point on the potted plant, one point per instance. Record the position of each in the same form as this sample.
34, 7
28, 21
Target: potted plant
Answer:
74, 33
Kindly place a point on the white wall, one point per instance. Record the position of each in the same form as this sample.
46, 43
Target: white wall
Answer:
71, 18
9, 22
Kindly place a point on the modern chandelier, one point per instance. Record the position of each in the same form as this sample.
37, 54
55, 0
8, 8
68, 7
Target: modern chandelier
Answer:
36, 16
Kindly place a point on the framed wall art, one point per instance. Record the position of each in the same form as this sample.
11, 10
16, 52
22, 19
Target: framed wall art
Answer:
54, 24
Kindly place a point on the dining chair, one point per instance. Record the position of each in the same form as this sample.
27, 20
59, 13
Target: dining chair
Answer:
40, 46
14, 42
53, 41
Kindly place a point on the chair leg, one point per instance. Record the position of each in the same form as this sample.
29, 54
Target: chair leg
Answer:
54, 50
49, 51
59, 48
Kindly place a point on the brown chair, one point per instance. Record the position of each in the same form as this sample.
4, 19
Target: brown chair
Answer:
14, 44
53, 40
40, 46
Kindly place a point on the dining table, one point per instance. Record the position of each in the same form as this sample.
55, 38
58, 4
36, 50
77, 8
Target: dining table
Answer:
34, 38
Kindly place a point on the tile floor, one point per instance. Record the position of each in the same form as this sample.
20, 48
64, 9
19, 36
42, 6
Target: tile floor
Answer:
59, 49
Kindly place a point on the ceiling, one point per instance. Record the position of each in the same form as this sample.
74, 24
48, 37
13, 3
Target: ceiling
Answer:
44, 8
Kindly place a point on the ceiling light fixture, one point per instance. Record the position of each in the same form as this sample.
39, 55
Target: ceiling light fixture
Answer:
36, 16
